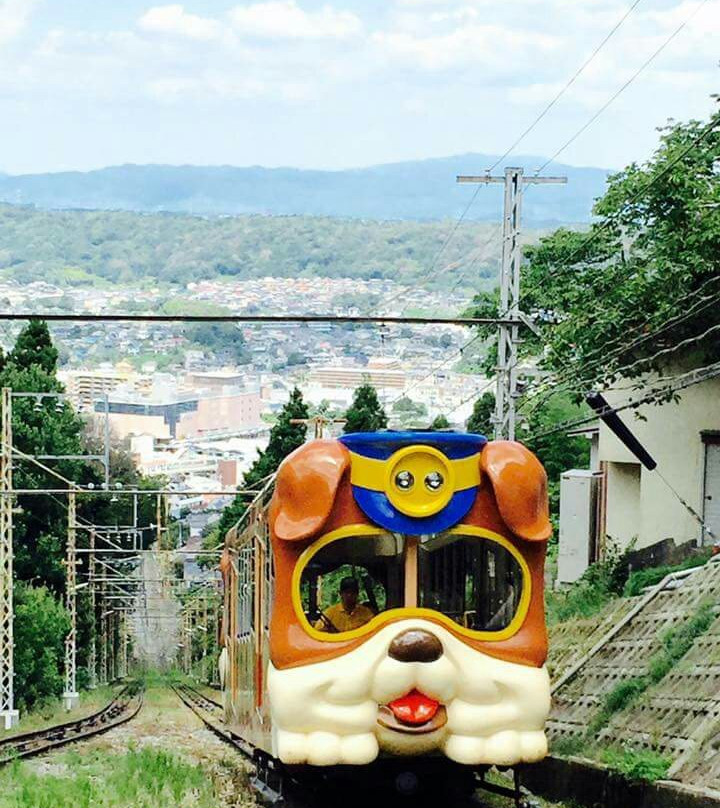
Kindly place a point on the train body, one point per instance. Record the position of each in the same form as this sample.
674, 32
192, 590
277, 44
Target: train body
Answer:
387, 601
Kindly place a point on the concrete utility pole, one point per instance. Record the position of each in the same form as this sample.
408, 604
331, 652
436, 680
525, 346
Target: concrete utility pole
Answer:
8, 714
71, 696
92, 653
318, 422
103, 637
506, 392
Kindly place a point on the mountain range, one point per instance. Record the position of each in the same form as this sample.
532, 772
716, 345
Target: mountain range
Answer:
414, 190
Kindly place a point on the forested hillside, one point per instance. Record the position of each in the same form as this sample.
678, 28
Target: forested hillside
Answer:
422, 189
84, 247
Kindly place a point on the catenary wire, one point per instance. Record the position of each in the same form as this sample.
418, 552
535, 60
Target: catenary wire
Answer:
623, 87
565, 87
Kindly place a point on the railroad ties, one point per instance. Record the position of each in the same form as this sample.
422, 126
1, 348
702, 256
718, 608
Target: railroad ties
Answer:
124, 706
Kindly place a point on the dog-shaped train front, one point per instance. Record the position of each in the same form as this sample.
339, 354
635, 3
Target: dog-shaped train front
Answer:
407, 614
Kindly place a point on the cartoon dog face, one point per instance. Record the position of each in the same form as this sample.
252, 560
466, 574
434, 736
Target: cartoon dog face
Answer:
444, 535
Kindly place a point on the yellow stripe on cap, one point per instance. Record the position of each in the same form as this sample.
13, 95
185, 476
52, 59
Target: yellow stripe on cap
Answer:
418, 480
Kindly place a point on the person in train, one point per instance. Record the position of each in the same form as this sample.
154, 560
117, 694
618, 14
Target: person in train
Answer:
348, 613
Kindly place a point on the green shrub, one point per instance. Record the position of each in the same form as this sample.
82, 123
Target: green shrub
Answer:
590, 593
41, 624
618, 699
650, 576
637, 764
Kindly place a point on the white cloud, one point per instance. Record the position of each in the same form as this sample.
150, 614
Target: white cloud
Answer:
485, 45
14, 15
173, 19
284, 19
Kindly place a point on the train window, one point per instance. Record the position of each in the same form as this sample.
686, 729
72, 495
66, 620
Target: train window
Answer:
350, 580
475, 581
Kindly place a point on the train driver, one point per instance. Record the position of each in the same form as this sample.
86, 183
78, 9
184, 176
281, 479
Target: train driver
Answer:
348, 613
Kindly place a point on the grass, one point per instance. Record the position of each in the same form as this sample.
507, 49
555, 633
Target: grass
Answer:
53, 712
636, 764
638, 580
675, 643
144, 778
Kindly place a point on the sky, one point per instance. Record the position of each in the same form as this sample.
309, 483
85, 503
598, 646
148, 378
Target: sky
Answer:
341, 83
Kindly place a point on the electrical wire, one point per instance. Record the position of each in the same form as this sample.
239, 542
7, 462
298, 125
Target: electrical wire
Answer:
581, 376
623, 87
695, 377
566, 86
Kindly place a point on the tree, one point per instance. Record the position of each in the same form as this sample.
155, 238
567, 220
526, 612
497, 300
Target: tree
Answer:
440, 422
285, 437
614, 294
365, 414
34, 347
41, 624
480, 419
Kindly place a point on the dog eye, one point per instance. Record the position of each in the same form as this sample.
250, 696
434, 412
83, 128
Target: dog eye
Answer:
434, 481
404, 480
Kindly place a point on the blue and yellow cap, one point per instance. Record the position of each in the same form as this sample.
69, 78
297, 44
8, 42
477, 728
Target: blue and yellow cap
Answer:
414, 482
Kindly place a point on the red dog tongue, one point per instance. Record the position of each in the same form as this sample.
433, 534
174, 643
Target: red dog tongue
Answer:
415, 708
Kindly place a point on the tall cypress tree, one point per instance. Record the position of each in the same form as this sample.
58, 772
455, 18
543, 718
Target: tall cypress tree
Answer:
365, 414
285, 437
34, 346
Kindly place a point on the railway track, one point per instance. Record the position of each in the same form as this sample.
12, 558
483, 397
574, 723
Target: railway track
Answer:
275, 785
121, 709
270, 782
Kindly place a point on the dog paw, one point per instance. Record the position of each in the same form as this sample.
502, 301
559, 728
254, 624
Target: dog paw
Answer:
326, 748
506, 748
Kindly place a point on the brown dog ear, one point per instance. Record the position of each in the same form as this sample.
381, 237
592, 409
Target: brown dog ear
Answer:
520, 485
305, 488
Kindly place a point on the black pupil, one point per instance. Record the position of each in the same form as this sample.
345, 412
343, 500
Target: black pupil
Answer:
404, 480
434, 480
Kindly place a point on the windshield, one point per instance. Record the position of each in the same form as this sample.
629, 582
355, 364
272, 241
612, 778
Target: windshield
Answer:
473, 580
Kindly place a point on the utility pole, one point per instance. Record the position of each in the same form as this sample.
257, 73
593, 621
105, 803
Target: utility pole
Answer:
506, 392
92, 654
123, 647
8, 714
318, 422
71, 696
103, 637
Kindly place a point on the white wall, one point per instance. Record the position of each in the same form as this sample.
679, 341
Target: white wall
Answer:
671, 434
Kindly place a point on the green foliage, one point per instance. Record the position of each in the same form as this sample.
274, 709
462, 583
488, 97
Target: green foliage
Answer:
618, 698
34, 347
589, 594
654, 243
285, 437
365, 414
558, 452
570, 745
650, 576
637, 764
408, 413
41, 623
143, 778
480, 421
440, 422
96, 247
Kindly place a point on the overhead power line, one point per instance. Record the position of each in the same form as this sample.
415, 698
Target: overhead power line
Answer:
565, 87
624, 86
579, 376
270, 319
682, 382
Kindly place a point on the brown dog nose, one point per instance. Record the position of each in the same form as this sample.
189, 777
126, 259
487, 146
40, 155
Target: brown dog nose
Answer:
415, 645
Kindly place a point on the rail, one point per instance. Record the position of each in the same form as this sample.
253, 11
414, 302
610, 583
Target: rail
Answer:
123, 707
